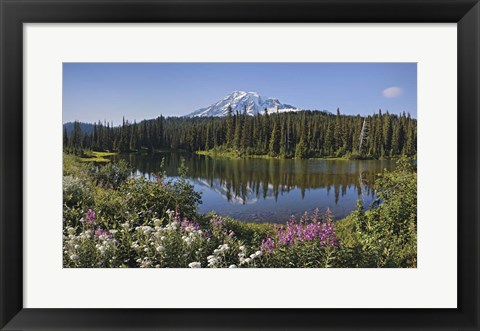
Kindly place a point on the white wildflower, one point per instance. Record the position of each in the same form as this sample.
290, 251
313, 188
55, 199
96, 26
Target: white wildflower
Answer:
170, 213
212, 260
135, 245
224, 247
147, 230
195, 265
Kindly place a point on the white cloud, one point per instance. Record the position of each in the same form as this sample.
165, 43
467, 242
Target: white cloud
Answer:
392, 92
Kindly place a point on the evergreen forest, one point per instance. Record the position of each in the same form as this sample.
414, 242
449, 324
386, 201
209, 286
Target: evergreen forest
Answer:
303, 134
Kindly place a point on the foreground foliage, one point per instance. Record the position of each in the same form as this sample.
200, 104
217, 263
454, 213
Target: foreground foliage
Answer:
114, 220
386, 234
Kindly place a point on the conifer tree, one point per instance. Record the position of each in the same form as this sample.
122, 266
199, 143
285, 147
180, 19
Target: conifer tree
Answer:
387, 134
283, 138
238, 132
329, 140
301, 150
208, 143
267, 130
338, 132
274, 141
245, 131
229, 133
65, 136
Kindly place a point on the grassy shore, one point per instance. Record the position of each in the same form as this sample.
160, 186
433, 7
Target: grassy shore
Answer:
96, 156
233, 154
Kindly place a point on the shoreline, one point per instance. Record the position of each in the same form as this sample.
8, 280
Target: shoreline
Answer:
101, 157
232, 155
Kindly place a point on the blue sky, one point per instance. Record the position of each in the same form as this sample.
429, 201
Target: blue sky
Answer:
109, 91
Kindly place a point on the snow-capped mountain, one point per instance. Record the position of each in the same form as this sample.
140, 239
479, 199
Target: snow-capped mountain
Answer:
239, 100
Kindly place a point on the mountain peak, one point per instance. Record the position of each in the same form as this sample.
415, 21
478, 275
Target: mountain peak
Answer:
242, 93
240, 101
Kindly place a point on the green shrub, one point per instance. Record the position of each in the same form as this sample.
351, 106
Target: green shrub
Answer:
111, 174
385, 235
250, 233
72, 167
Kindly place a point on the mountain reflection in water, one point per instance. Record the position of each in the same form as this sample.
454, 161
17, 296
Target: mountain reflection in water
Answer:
269, 190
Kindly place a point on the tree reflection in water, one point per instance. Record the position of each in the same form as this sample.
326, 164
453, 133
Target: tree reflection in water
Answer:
249, 181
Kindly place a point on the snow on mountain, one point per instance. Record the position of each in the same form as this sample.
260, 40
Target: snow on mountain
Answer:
239, 100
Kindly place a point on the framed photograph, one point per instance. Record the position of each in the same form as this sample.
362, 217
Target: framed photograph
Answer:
228, 165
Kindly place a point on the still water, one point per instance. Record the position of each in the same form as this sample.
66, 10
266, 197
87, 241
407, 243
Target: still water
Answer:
269, 190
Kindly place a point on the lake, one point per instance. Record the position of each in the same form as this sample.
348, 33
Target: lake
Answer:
269, 190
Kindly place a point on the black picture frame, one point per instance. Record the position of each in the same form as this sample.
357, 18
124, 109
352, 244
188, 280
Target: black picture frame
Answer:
13, 13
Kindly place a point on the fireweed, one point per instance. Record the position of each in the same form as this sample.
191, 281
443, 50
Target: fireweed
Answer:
310, 242
306, 230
